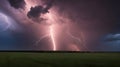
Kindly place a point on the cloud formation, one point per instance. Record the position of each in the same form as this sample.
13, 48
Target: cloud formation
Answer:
112, 42
17, 3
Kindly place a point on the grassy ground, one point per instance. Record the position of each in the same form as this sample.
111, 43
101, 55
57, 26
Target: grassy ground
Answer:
21, 59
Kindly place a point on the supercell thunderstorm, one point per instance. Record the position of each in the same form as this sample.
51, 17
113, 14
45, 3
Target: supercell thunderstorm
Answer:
59, 25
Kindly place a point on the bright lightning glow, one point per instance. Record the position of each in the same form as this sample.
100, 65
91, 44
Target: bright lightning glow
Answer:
52, 35
6, 21
51, 31
52, 21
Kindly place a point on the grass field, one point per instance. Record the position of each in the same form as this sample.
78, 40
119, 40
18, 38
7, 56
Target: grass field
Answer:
24, 59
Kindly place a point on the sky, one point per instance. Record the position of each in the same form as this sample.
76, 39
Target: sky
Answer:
60, 25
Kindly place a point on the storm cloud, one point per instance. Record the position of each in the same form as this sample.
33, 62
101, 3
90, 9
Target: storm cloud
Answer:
17, 3
112, 41
35, 12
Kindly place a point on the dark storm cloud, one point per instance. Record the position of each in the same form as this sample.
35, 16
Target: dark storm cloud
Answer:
17, 3
35, 12
112, 37
111, 42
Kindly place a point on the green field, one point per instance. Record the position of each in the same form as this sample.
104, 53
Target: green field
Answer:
24, 59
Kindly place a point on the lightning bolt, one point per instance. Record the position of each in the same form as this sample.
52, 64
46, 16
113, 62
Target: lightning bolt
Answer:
52, 37
44, 36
